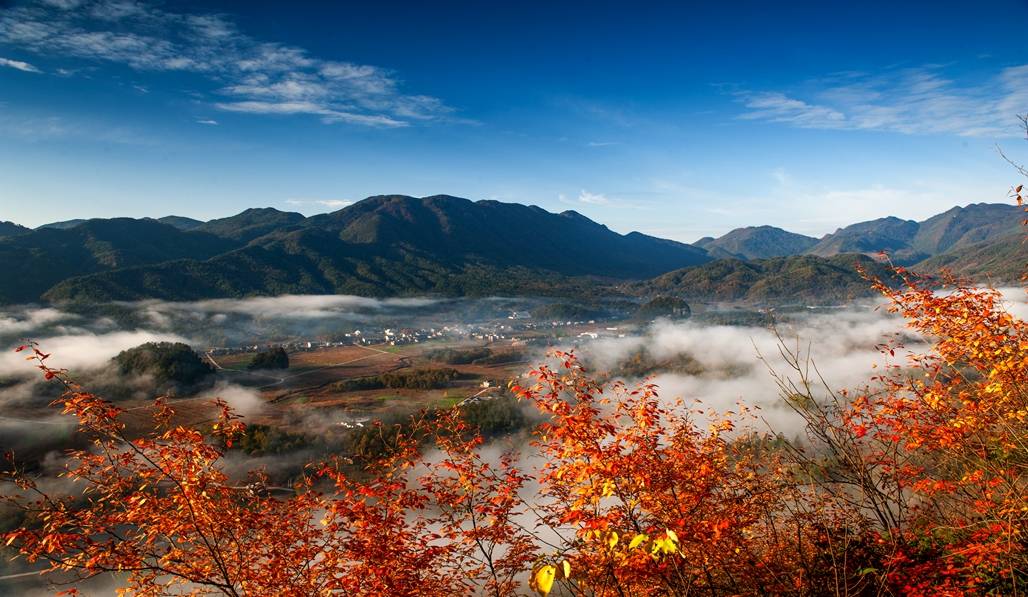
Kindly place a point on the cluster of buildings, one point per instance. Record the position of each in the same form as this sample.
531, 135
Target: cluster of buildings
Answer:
518, 329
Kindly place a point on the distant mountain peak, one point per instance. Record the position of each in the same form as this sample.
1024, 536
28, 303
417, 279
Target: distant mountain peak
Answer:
757, 242
181, 222
908, 241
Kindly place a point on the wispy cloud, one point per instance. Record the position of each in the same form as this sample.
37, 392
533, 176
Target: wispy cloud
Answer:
208, 121
250, 75
586, 198
19, 65
329, 203
35, 128
592, 198
909, 101
777, 107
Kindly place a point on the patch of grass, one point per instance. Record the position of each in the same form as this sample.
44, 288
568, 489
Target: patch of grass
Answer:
448, 401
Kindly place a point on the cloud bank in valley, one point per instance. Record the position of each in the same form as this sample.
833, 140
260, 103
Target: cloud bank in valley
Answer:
85, 350
840, 343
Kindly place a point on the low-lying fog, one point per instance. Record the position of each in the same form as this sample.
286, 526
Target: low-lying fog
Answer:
719, 365
842, 341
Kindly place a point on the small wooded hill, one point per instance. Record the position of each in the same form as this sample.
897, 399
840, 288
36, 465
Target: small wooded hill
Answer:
806, 279
756, 242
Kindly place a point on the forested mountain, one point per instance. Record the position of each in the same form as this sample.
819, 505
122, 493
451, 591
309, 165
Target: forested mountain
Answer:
397, 245
180, 222
884, 234
962, 227
34, 261
756, 242
1001, 261
252, 223
908, 241
11, 229
390, 245
62, 225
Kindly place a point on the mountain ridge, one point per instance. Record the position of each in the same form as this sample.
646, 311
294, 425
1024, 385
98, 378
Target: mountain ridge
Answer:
388, 245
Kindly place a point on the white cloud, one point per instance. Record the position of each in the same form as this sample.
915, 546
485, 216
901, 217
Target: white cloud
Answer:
592, 198
841, 344
208, 121
328, 115
777, 107
251, 76
287, 306
329, 203
19, 65
909, 101
82, 350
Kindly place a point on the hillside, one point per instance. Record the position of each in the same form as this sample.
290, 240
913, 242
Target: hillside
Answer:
908, 241
998, 262
180, 222
396, 245
11, 229
62, 225
801, 278
34, 261
252, 223
962, 227
757, 242
884, 234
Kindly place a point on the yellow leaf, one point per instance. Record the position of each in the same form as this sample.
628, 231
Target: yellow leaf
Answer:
672, 536
567, 569
637, 541
612, 539
543, 579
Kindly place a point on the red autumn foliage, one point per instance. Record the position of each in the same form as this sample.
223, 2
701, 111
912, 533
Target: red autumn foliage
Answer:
916, 486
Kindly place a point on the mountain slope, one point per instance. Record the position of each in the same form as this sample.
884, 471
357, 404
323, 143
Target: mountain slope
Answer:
62, 225
884, 234
1001, 261
180, 222
457, 231
798, 278
12, 229
757, 242
252, 223
908, 242
34, 261
399, 245
391, 245
965, 226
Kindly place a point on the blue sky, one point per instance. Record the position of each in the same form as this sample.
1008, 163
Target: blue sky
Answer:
679, 121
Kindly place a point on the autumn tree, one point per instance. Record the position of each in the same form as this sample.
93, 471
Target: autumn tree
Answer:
160, 512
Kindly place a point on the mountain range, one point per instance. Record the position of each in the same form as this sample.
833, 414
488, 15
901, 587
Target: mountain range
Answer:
397, 245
